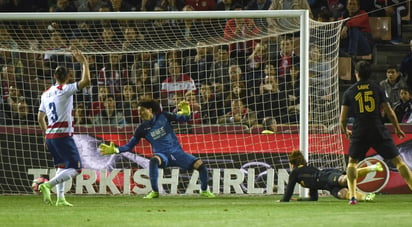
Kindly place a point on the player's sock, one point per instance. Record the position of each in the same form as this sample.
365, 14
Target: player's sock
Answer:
63, 175
203, 176
154, 173
376, 167
60, 190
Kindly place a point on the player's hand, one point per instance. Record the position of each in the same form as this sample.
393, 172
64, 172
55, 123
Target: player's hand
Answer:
400, 134
108, 149
78, 55
184, 108
348, 133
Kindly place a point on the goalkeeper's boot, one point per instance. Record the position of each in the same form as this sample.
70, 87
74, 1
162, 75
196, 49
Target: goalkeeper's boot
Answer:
207, 194
377, 167
370, 197
63, 203
152, 195
45, 190
353, 201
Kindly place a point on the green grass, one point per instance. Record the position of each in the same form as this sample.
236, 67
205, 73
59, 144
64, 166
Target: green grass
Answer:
251, 211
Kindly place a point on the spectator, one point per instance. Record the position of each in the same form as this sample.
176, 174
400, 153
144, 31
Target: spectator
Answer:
177, 83
226, 5
132, 40
238, 30
356, 38
128, 96
279, 25
121, 5
90, 6
259, 5
403, 107
256, 64
81, 117
270, 126
202, 5
237, 90
98, 105
335, 7
393, 83
271, 102
239, 114
113, 75
406, 65
211, 104
199, 65
110, 114
285, 58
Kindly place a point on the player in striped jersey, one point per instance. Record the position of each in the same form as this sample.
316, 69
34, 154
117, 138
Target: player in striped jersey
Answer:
57, 105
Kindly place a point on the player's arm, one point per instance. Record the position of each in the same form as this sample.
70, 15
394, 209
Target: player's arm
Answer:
290, 187
343, 122
41, 118
85, 80
393, 119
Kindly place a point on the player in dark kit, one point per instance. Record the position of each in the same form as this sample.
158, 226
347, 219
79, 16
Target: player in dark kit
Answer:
365, 99
158, 131
332, 180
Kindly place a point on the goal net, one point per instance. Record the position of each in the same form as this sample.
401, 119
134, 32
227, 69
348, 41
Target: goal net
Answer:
258, 83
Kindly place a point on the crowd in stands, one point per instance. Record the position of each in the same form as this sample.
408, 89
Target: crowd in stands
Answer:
250, 83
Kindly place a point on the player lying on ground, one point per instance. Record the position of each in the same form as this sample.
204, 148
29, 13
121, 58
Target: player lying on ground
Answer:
332, 180
158, 131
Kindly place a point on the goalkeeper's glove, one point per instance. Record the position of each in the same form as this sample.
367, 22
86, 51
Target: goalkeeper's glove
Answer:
184, 108
108, 149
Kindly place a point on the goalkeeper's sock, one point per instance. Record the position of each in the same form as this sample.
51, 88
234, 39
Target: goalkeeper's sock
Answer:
154, 173
203, 176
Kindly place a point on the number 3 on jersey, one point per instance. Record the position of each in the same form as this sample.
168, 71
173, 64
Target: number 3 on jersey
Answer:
365, 101
54, 116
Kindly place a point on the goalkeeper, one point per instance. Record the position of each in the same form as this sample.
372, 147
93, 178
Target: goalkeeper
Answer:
157, 130
332, 180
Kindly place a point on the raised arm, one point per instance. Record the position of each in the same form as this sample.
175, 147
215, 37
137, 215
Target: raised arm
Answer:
85, 80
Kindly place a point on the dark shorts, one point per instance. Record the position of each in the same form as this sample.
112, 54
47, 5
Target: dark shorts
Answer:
64, 152
329, 180
178, 159
379, 139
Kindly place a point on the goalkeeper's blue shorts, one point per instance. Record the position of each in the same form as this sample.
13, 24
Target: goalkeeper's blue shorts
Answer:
179, 158
64, 152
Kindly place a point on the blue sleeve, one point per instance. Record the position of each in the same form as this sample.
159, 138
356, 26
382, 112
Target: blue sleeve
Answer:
176, 117
129, 146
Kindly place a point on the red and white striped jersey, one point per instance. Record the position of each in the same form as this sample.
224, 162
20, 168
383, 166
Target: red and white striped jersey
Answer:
57, 103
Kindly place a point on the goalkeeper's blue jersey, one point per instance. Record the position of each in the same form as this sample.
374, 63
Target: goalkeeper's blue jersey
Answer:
159, 132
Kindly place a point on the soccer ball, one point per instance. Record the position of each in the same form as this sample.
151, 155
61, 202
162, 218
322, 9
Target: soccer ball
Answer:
36, 184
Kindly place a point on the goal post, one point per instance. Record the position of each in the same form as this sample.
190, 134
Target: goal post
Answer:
281, 65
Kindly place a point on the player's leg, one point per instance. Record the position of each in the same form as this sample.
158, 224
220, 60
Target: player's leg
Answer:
372, 168
343, 193
63, 175
403, 170
154, 164
204, 178
352, 175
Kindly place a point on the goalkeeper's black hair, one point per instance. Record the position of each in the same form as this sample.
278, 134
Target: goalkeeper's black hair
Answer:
150, 104
61, 74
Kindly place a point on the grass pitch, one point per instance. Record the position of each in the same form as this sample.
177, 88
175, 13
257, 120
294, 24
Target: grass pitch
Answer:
29, 210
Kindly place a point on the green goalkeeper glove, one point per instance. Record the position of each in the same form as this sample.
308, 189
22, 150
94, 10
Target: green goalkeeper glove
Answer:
184, 108
108, 149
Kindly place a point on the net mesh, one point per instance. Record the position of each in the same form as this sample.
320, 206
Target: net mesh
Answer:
241, 77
